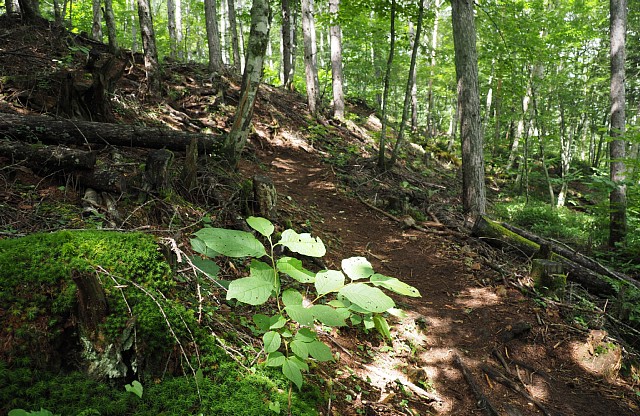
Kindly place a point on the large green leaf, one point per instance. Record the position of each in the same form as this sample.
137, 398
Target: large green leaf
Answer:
272, 341
320, 351
369, 298
291, 370
251, 290
291, 297
275, 359
328, 315
305, 335
208, 267
263, 322
293, 267
261, 270
299, 348
394, 285
231, 243
357, 268
329, 281
199, 246
300, 314
303, 243
261, 225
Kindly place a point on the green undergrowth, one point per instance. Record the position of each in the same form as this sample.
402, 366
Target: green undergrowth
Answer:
226, 392
150, 333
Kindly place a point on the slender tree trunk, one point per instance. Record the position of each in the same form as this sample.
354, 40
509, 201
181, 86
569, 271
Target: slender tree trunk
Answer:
258, 40
288, 44
57, 13
110, 20
466, 60
233, 28
134, 26
179, 35
382, 164
171, 25
414, 89
431, 131
310, 55
618, 196
28, 10
96, 27
410, 85
149, 45
213, 36
336, 60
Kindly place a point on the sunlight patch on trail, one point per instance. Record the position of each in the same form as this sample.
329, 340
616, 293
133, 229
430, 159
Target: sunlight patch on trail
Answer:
477, 297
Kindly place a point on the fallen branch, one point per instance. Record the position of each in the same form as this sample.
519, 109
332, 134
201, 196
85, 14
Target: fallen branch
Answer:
483, 401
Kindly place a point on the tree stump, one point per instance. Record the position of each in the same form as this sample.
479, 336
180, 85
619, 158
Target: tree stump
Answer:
265, 197
548, 277
157, 170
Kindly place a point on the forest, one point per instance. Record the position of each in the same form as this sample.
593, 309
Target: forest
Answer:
319, 207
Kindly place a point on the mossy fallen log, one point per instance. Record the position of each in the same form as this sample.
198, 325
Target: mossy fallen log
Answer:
497, 235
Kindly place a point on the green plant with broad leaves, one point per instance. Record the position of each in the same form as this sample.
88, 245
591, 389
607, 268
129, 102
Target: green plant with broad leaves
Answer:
333, 298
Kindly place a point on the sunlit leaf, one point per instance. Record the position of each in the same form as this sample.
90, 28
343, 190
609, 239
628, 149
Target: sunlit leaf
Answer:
272, 341
303, 243
292, 371
275, 359
251, 290
382, 326
357, 268
328, 315
305, 335
369, 298
300, 314
329, 281
320, 351
299, 348
199, 246
293, 268
394, 285
231, 243
261, 225
291, 297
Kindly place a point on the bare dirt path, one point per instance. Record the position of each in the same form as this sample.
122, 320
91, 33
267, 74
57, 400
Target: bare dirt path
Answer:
464, 310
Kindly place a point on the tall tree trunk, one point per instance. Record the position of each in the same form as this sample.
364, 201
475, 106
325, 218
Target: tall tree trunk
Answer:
149, 45
213, 36
410, 85
310, 55
134, 26
618, 196
96, 27
431, 131
385, 92
336, 60
179, 36
466, 61
258, 40
171, 25
414, 89
110, 20
233, 28
28, 10
57, 12
288, 58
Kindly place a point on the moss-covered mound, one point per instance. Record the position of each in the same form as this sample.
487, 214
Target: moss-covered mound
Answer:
48, 323
84, 312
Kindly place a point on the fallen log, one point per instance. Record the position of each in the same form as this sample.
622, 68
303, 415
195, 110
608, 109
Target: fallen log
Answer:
48, 157
498, 235
61, 131
573, 255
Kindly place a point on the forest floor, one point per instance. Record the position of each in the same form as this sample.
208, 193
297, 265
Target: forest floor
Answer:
327, 185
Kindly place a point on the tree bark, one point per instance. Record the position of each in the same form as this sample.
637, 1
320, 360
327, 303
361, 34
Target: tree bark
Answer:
96, 27
48, 157
336, 60
310, 56
149, 45
213, 36
61, 131
410, 85
288, 42
171, 26
618, 196
258, 40
382, 163
233, 28
466, 61
110, 20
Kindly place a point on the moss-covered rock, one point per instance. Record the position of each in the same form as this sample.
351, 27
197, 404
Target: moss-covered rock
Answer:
45, 326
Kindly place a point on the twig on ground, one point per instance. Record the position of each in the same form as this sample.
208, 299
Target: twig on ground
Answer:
483, 401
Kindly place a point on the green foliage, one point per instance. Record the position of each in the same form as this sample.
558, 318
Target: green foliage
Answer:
288, 336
